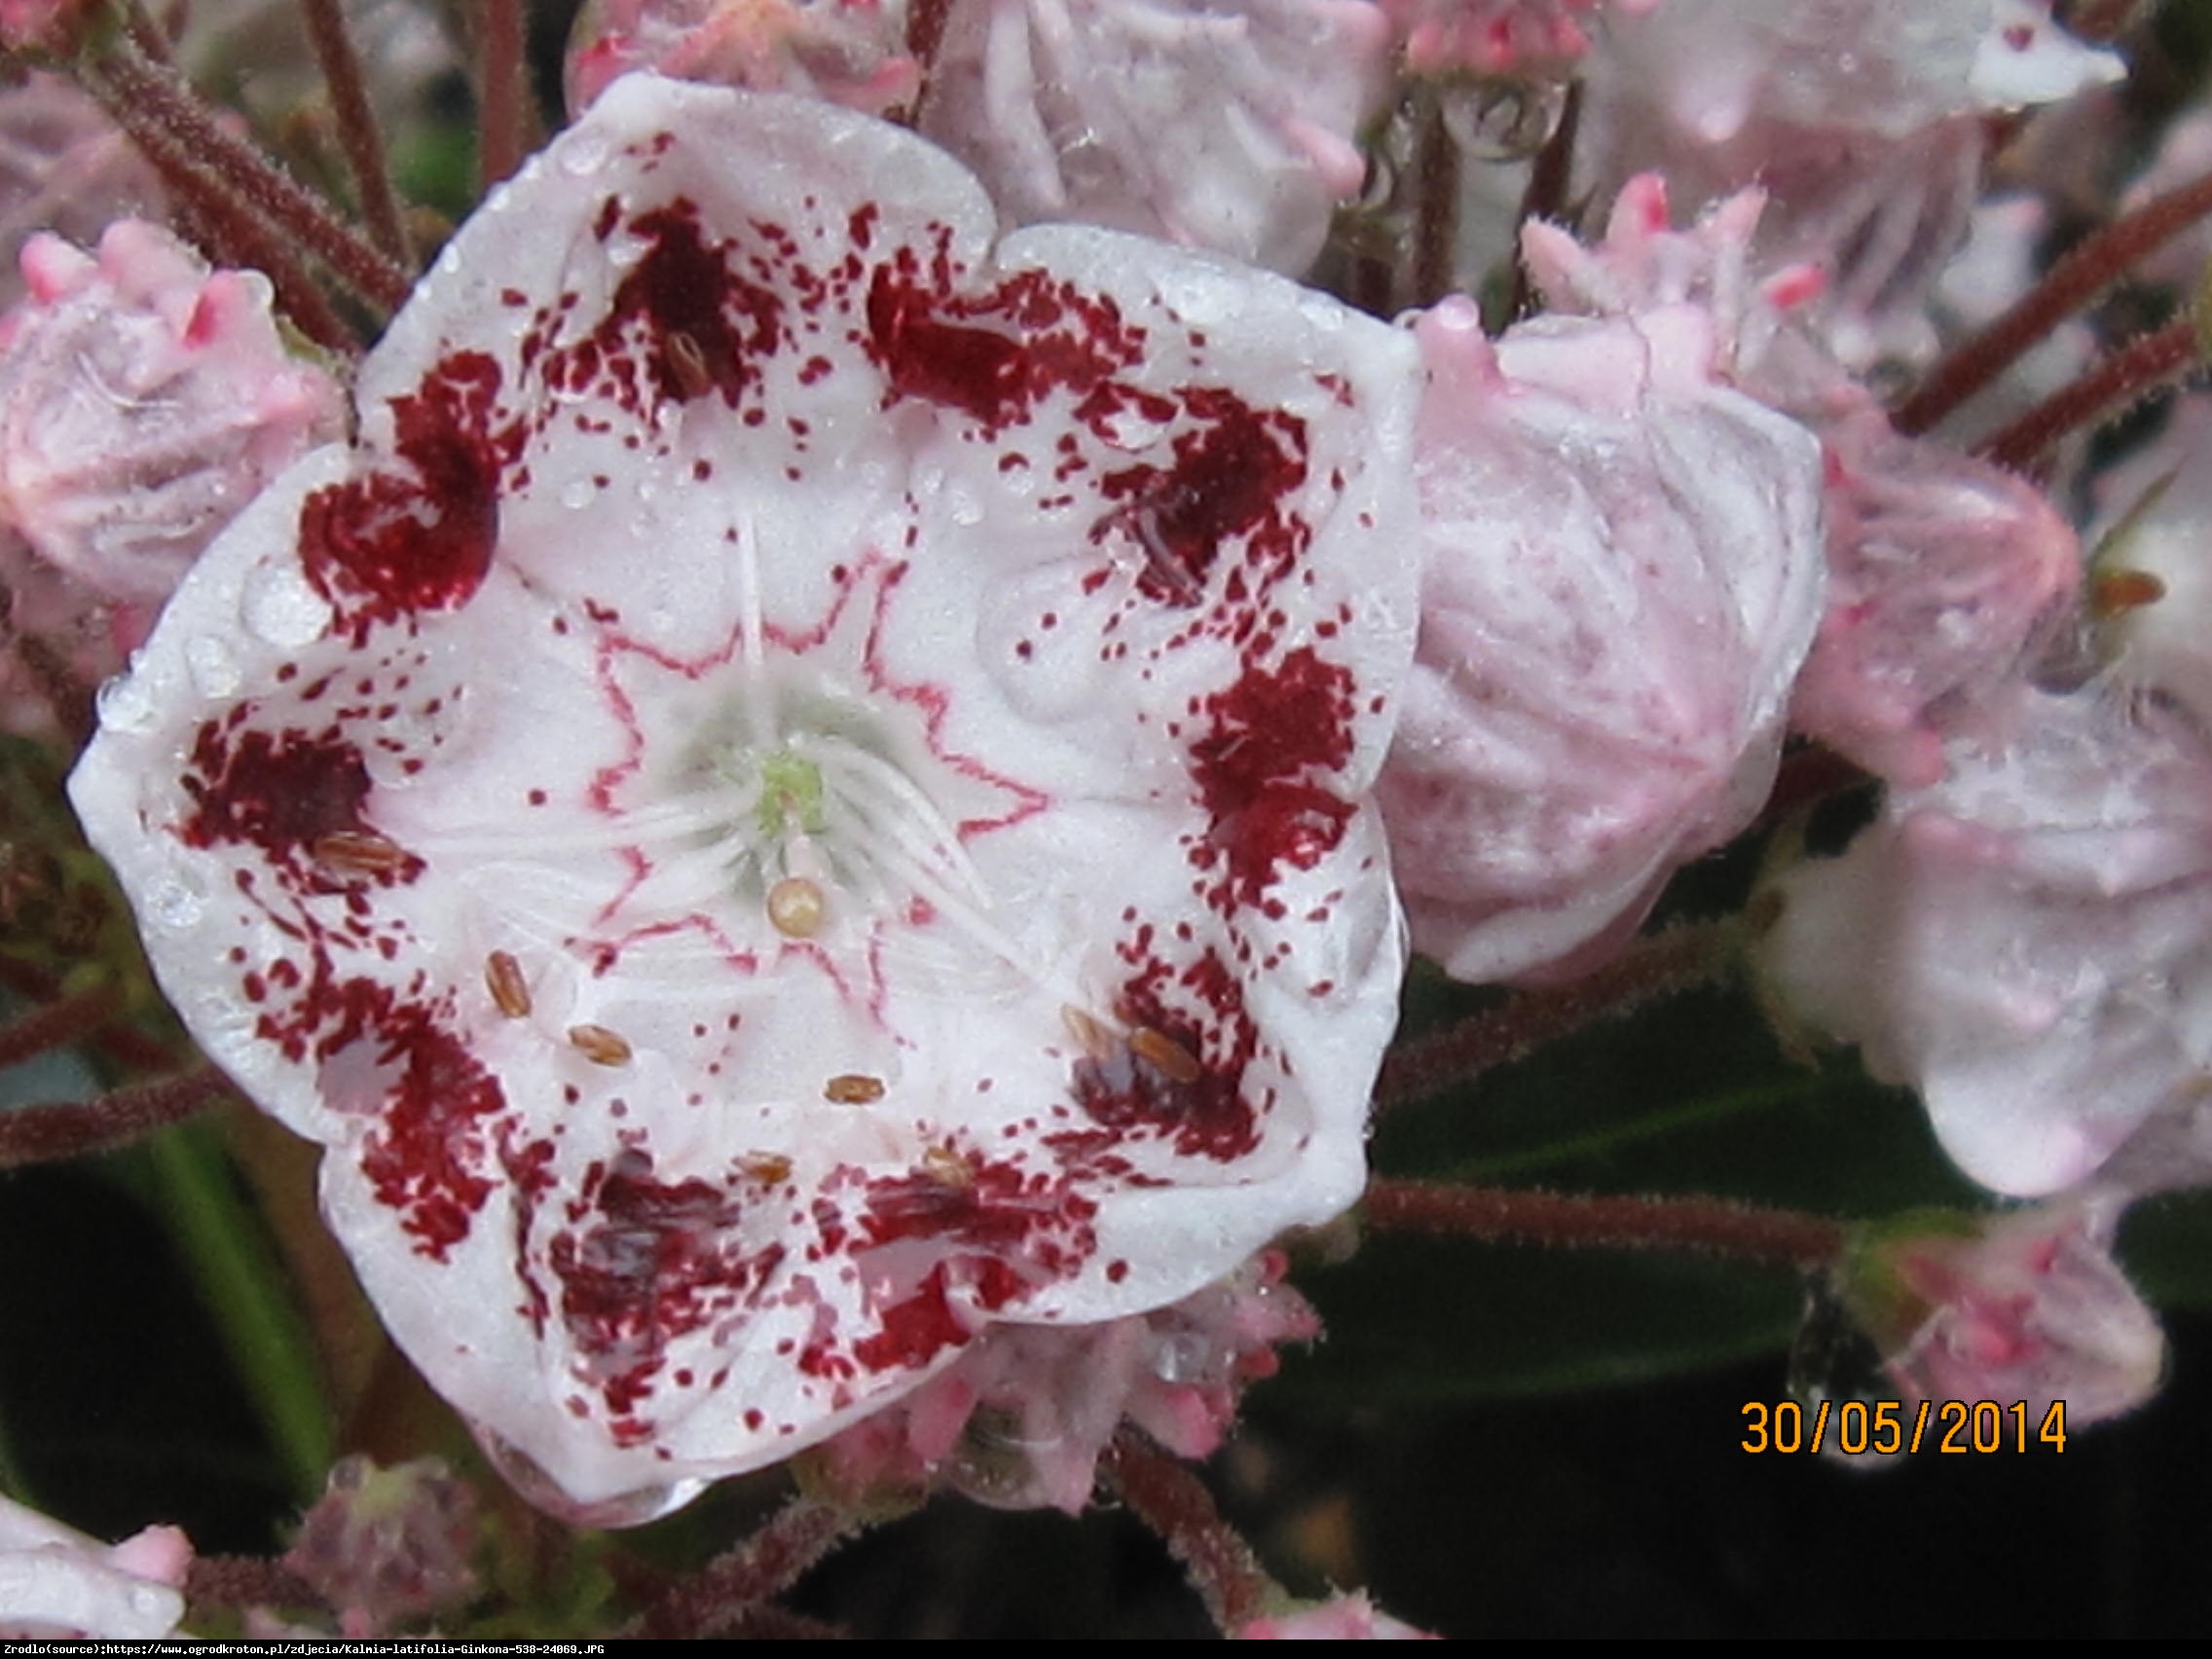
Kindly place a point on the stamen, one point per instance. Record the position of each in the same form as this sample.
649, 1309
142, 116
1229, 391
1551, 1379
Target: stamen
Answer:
1166, 1055
600, 1045
795, 907
359, 852
765, 1166
2112, 592
948, 1167
851, 1088
689, 364
1090, 1036
504, 978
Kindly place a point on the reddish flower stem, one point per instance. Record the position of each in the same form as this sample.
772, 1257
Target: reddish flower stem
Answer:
357, 131
55, 1025
499, 93
65, 692
146, 31
1744, 1232
1436, 203
734, 1585
1670, 961
2072, 283
119, 1042
229, 235
154, 103
236, 1582
925, 35
42, 1134
2125, 377
1169, 1497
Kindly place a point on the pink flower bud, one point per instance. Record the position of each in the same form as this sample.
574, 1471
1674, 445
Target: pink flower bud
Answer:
1348, 1618
143, 402
1623, 576
1225, 125
845, 51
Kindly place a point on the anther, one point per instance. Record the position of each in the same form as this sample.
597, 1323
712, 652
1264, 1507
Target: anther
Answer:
360, 852
1166, 1055
600, 1045
2112, 592
502, 978
1090, 1036
767, 1168
689, 364
851, 1088
795, 907
948, 1167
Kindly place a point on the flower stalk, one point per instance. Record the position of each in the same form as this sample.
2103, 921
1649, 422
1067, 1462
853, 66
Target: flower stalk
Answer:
1583, 1220
357, 130
1175, 1504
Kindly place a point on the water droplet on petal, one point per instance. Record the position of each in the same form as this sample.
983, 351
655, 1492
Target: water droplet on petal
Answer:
584, 155
577, 493
125, 703
280, 608
214, 670
175, 904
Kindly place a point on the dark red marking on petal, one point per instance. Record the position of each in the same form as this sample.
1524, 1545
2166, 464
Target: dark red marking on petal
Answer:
915, 1329
1231, 478
280, 791
426, 1155
1255, 767
650, 1262
1202, 1010
384, 547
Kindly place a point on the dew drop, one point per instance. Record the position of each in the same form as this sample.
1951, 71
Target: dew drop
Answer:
125, 703
584, 155
577, 493
280, 608
214, 670
175, 904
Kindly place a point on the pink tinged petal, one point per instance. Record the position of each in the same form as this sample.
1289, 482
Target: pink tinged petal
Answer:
143, 402
55, 1582
743, 816
2029, 1306
1945, 576
1348, 1618
1624, 574
2024, 943
1226, 124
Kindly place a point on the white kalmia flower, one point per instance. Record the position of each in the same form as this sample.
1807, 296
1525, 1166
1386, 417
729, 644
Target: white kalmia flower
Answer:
55, 1582
1225, 125
2029, 943
1623, 576
803, 792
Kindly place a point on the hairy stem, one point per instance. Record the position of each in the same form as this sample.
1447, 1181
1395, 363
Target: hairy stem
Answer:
153, 102
1744, 1232
357, 131
1169, 1498
57, 1026
499, 71
2074, 280
1436, 201
2125, 377
734, 1585
1672, 960
74, 1129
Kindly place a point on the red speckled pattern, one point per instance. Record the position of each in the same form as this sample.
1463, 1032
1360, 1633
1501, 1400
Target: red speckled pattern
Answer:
715, 529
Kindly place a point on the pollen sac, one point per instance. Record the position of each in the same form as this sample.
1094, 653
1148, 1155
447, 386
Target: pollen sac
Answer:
772, 652
796, 907
600, 1045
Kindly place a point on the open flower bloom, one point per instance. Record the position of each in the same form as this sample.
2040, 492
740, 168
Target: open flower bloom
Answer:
1219, 123
802, 794
2029, 943
1623, 574
56, 1582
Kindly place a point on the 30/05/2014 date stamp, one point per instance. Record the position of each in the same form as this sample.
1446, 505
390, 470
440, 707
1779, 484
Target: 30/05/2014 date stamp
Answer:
1853, 1426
